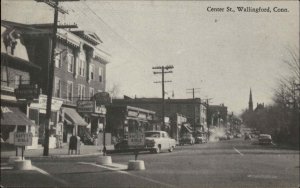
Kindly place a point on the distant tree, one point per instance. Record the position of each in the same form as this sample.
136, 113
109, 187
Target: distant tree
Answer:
114, 90
281, 119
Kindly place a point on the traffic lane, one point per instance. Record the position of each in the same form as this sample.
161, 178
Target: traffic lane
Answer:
28, 178
198, 164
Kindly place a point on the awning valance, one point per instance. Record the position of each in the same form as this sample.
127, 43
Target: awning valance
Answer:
14, 116
74, 117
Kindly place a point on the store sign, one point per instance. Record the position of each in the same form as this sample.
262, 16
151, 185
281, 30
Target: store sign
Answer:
23, 139
85, 106
100, 109
42, 104
102, 98
132, 113
142, 115
27, 91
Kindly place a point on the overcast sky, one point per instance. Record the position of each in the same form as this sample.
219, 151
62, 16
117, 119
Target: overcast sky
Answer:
222, 53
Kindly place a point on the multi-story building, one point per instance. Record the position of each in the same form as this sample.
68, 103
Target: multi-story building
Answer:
217, 115
80, 72
193, 109
16, 69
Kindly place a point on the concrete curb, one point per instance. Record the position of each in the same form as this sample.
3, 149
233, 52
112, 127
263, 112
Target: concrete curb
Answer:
59, 156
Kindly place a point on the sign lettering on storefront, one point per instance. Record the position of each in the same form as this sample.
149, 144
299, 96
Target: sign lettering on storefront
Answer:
42, 104
85, 106
102, 98
100, 109
132, 113
23, 139
27, 91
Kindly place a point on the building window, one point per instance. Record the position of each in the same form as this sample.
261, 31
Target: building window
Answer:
57, 89
100, 74
57, 60
70, 91
82, 65
81, 91
18, 80
91, 92
92, 72
3, 74
70, 63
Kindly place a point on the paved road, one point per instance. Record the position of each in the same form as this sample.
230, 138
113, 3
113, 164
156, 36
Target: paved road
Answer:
232, 163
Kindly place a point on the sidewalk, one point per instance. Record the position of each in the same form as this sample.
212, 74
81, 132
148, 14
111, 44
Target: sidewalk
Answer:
85, 150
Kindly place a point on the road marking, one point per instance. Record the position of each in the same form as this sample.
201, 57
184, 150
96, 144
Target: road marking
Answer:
238, 151
6, 167
49, 175
119, 170
261, 176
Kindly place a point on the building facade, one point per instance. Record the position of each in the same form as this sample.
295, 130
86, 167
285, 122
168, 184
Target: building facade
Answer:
16, 70
217, 115
194, 110
79, 73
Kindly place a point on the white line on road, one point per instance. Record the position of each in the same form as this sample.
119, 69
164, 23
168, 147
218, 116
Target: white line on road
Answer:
127, 173
238, 151
49, 175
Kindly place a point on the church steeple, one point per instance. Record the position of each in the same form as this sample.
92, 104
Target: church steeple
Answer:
250, 102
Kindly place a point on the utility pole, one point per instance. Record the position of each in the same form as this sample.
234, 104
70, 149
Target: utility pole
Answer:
53, 4
194, 106
164, 70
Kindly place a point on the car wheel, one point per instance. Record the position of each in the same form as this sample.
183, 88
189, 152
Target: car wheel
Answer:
171, 149
157, 150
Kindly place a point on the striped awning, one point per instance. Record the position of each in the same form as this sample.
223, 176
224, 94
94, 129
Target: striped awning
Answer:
14, 116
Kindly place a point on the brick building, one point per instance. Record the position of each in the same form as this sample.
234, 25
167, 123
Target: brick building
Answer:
189, 108
80, 72
217, 115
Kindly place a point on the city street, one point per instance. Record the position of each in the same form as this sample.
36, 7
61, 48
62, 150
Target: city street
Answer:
230, 163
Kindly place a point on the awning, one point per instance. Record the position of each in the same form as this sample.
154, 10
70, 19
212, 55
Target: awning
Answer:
74, 117
188, 128
14, 116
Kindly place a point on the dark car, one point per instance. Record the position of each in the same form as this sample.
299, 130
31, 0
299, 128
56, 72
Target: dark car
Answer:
200, 139
187, 139
122, 145
264, 139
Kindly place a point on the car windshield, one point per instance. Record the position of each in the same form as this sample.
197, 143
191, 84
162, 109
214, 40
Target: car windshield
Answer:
152, 134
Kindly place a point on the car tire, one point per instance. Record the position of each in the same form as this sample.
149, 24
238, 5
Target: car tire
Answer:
171, 149
157, 150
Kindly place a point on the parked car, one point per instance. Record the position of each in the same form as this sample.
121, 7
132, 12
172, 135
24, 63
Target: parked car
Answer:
200, 139
122, 145
187, 139
223, 137
264, 139
247, 136
157, 141
238, 135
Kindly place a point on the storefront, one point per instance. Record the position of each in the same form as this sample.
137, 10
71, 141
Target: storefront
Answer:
37, 113
14, 120
72, 124
120, 118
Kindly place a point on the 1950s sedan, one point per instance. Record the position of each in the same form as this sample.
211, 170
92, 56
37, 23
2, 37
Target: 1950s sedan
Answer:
157, 141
